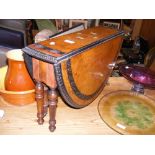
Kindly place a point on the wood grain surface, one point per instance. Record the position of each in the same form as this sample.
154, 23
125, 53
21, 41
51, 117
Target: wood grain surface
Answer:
86, 121
79, 40
85, 75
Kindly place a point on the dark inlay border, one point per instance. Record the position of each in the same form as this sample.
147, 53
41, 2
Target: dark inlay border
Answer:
62, 88
48, 49
74, 86
38, 55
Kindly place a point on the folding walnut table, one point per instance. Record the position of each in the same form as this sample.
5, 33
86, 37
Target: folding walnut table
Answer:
78, 64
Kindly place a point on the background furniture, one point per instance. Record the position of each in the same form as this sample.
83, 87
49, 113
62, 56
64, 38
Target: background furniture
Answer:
13, 34
11, 38
87, 22
18, 25
143, 28
147, 31
77, 21
46, 24
149, 61
3, 59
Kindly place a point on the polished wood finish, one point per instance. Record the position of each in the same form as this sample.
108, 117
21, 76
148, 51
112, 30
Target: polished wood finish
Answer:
46, 97
52, 99
89, 75
81, 38
86, 121
45, 106
40, 102
40, 70
136, 24
78, 63
147, 31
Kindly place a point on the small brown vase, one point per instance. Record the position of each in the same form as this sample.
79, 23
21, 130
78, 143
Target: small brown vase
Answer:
17, 77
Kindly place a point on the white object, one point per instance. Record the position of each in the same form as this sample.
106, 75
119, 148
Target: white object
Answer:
1, 113
79, 37
120, 126
93, 33
15, 54
52, 43
69, 41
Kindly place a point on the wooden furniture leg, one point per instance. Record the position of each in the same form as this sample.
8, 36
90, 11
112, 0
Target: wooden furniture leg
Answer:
45, 101
40, 102
52, 99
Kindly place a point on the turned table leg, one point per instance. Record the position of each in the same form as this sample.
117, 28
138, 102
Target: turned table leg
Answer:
40, 102
45, 101
52, 100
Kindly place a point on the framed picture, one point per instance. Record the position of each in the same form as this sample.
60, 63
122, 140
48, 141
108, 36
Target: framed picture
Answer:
111, 24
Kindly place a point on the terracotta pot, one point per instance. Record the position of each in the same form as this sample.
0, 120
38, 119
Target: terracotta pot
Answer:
19, 98
17, 77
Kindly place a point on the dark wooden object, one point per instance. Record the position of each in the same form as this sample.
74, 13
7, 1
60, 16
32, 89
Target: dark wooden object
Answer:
78, 63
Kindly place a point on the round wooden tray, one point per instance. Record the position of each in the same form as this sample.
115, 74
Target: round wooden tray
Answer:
128, 112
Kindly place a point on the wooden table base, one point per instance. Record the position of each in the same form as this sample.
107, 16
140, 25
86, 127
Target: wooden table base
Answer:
52, 100
46, 99
40, 102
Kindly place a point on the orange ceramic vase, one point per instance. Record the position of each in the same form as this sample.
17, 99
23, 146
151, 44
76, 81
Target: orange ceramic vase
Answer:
17, 77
